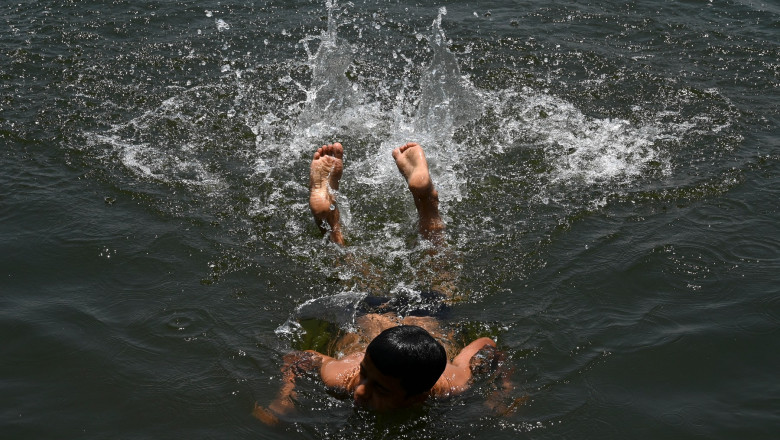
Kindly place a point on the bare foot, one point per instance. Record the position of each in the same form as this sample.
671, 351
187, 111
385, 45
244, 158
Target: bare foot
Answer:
324, 175
412, 164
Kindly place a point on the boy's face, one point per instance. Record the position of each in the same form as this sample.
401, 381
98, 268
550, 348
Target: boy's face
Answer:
380, 392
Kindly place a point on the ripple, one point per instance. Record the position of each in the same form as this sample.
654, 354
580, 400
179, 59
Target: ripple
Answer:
187, 323
771, 306
610, 395
672, 419
763, 249
690, 265
764, 319
688, 418
594, 428
756, 323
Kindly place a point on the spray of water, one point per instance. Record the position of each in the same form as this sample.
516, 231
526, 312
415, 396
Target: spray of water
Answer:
242, 146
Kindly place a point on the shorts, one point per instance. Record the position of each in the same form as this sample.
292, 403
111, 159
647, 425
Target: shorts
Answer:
409, 303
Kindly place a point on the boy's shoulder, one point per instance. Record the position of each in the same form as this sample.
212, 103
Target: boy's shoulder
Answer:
341, 374
457, 374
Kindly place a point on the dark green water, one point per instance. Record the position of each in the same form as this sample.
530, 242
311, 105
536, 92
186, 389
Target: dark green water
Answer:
608, 172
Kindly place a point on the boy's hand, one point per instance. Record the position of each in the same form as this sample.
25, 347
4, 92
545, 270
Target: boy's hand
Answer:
491, 361
295, 364
265, 415
280, 407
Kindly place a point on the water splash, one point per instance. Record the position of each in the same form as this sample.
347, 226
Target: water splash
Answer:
249, 137
448, 100
180, 160
340, 309
581, 151
330, 93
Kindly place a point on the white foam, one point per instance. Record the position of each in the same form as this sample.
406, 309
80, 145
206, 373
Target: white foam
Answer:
580, 151
222, 25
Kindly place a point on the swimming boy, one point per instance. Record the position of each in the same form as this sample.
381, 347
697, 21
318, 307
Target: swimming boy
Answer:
391, 362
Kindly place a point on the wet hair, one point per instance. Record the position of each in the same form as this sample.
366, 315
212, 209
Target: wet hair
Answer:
409, 353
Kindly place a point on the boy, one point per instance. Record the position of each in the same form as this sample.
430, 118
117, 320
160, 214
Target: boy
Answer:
404, 363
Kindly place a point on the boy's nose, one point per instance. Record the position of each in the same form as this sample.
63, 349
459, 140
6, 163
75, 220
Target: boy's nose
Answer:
361, 393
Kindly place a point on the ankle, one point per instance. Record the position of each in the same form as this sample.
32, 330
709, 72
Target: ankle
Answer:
336, 236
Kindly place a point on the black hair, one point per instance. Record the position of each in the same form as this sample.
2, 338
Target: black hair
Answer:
409, 353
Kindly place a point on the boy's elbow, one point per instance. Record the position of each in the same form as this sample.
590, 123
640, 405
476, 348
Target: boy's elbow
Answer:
481, 342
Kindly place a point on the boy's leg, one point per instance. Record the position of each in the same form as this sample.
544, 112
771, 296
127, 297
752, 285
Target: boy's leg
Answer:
327, 167
412, 164
438, 271
324, 175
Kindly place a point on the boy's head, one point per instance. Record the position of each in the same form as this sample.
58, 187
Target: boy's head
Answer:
400, 367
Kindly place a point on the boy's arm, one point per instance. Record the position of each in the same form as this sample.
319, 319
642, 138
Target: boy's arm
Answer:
335, 374
491, 361
295, 364
457, 374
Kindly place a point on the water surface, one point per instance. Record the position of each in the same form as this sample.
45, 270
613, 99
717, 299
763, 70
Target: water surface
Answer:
608, 174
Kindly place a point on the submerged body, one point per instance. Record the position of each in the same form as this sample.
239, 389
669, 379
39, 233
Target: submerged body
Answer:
356, 375
391, 361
